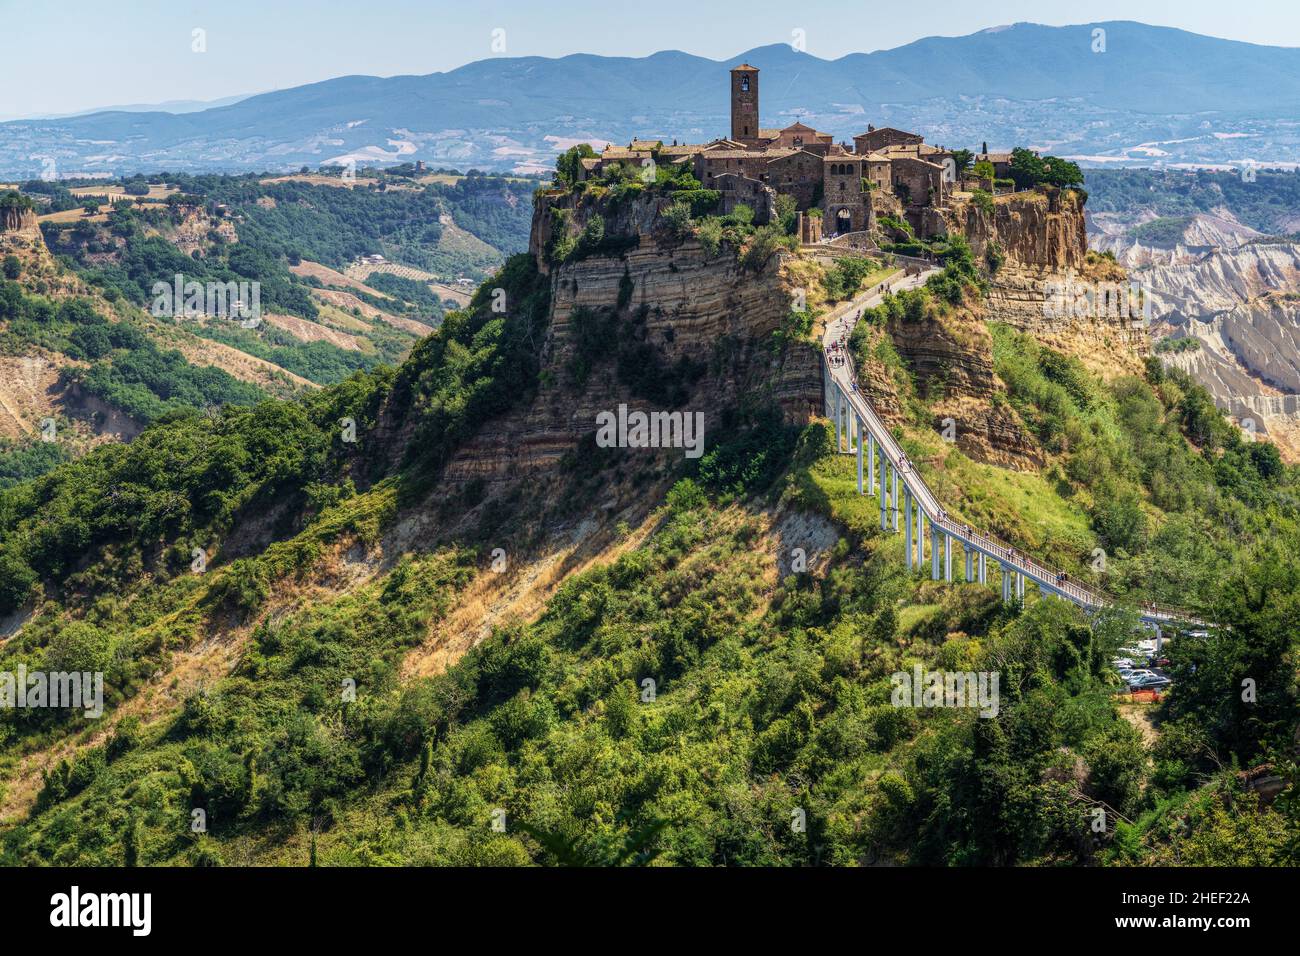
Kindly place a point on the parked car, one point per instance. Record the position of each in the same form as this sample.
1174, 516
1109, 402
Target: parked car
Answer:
1148, 682
1123, 662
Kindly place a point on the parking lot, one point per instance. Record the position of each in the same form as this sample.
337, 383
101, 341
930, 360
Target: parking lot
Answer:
1142, 667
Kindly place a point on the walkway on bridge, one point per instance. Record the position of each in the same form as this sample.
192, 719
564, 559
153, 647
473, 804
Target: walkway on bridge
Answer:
914, 505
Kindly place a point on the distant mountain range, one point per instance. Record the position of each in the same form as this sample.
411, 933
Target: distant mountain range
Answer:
166, 106
1132, 93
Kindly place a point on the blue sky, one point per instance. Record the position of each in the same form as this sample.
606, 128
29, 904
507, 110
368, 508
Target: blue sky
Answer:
68, 55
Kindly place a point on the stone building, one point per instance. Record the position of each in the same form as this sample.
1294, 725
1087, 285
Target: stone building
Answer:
918, 183
1001, 163
875, 140
744, 105
845, 201
741, 190
797, 174
887, 171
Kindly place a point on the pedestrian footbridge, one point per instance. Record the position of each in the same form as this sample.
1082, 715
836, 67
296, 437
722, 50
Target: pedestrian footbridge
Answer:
908, 506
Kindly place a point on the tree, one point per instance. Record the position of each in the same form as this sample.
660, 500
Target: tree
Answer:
78, 646
568, 165
12, 267
963, 158
1028, 169
12, 199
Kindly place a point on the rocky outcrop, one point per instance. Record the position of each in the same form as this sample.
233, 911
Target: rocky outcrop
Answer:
1107, 343
951, 358
1032, 229
1035, 246
20, 237
657, 300
195, 231
16, 221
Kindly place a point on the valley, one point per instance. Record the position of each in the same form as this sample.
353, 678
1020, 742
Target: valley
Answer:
1219, 256
319, 325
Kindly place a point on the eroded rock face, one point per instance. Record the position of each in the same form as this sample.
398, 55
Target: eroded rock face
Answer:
952, 359
677, 305
19, 221
20, 237
1033, 230
1238, 295
1107, 344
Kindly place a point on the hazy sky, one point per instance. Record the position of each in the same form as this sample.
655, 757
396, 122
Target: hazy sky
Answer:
67, 55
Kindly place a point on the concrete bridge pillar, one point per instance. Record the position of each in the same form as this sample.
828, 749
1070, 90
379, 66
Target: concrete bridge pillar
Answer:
895, 498
947, 557
884, 493
859, 453
871, 463
984, 570
1020, 585
934, 552
920, 535
839, 411
970, 563
907, 530
1006, 583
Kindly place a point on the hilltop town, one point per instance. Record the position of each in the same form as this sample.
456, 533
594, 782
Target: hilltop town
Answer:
838, 189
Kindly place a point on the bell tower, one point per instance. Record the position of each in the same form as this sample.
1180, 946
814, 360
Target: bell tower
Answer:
744, 104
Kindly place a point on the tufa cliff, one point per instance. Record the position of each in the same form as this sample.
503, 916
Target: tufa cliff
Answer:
1034, 242
649, 320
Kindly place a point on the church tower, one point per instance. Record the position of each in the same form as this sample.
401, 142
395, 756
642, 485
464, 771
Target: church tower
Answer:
744, 104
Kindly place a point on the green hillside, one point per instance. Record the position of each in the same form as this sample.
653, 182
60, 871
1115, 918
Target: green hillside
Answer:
771, 696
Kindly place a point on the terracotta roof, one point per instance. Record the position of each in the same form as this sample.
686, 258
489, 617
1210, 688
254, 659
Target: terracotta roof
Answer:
798, 127
888, 129
752, 153
917, 159
787, 152
744, 66
646, 144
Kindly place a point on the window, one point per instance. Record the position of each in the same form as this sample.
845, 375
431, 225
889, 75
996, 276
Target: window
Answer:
744, 88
